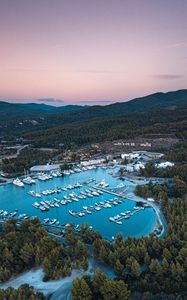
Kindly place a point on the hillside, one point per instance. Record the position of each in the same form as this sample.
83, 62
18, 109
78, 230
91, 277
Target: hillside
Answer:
113, 128
156, 101
24, 111
21, 116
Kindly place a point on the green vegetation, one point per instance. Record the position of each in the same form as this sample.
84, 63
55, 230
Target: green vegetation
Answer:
145, 268
99, 287
20, 116
112, 128
28, 245
152, 268
26, 159
150, 264
24, 292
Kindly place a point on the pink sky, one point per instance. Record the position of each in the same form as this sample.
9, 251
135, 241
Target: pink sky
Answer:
87, 51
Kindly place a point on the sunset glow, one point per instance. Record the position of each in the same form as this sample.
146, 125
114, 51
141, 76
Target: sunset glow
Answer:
89, 51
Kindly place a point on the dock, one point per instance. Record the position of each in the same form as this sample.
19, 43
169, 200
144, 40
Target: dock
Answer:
109, 192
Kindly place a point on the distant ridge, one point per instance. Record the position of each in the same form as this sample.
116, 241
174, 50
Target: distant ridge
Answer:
68, 114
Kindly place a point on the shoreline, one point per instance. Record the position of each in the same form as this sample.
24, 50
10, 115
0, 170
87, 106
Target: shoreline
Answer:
155, 206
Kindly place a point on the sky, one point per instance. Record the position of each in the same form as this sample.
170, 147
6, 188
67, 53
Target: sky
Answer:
91, 51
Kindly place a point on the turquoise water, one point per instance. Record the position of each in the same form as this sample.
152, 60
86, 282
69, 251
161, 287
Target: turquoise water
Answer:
142, 223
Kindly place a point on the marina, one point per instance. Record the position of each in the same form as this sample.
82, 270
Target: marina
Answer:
83, 196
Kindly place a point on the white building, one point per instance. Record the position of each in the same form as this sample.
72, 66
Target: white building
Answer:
93, 162
45, 168
129, 155
165, 164
139, 166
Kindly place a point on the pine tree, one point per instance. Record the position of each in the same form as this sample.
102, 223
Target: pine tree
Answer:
81, 290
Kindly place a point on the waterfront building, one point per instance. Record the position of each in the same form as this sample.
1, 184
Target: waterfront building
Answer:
45, 168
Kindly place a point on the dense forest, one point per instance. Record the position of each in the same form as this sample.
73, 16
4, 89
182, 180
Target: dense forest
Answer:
24, 292
124, 127
152, 268
28, 245
20, 118
26, 159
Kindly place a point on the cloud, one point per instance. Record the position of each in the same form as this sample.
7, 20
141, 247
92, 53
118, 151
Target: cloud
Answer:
49, 100
177, 45
166, 76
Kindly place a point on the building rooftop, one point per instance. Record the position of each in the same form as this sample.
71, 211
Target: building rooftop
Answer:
44, 168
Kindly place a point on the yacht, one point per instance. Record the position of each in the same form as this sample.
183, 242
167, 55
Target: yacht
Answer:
53, 221
63, 202
34, 194
97, 208
90, 195
81, 214
36, 204
29, 180
46, 220
18, 182
73, 213
119, 222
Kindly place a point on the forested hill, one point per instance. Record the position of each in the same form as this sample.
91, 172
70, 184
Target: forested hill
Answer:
20, 111
111, 128
21, 116
158, 101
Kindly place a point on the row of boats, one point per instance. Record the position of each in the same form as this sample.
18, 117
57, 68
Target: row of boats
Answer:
66, 188
22, 217
9, 215
125, 215
44, 177
46, 204
58, 190
96, 207
29, 180
20, 183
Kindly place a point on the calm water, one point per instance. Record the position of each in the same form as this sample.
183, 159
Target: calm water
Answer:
142, 223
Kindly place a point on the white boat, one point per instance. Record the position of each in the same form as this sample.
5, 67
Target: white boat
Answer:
46, 220
13, 214
73, 213
53, 221
34, 194
63, 202
119, 222
75, 199
36, 204
28, 180
103, 184
81, 214
18, 182
42, 208
95, 193
90, 195
97, 208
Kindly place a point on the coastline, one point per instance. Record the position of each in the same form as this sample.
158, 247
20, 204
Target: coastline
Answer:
155, 206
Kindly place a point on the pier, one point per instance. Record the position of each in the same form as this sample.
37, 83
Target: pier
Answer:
109, 192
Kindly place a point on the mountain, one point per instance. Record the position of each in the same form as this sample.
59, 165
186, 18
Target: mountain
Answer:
19, 111
157, 101
20, 116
